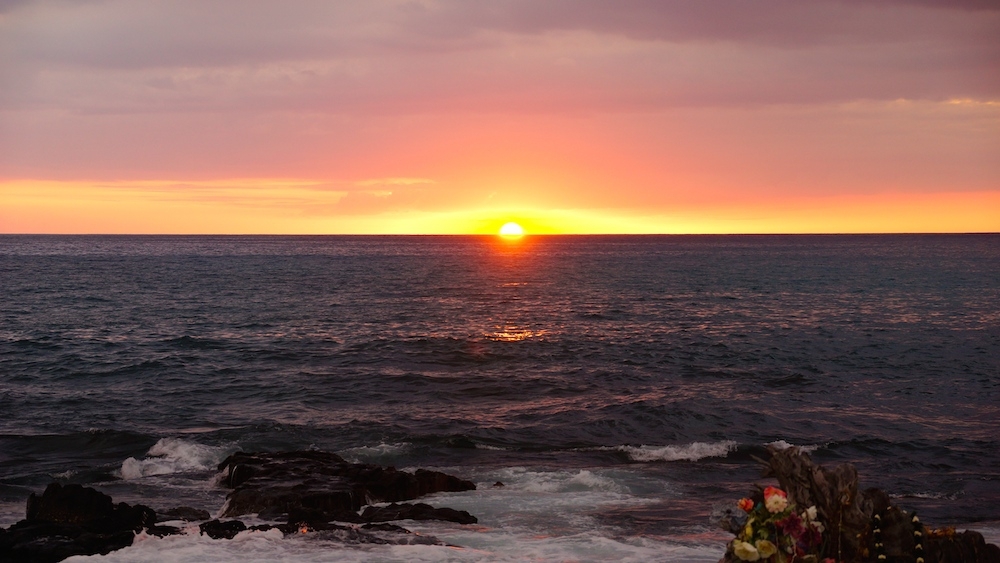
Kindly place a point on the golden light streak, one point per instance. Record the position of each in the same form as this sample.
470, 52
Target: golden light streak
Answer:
296, 206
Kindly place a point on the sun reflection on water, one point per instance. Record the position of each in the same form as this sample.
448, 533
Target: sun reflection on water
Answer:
511, 333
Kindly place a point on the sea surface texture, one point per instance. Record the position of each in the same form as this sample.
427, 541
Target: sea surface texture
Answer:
620, 387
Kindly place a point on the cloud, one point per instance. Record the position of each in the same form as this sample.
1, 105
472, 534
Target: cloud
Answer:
157, 33
394, 182
396, 57
433, 104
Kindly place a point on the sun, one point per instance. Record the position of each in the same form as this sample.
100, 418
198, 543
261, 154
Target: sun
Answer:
511, 230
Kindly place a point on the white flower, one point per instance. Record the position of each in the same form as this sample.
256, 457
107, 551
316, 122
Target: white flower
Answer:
810, 513
775, 503
818, 526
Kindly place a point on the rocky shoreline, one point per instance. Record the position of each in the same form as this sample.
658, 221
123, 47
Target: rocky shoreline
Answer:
318, 492
309, 491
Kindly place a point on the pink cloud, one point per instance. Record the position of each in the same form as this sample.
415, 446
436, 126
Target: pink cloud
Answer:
632, 104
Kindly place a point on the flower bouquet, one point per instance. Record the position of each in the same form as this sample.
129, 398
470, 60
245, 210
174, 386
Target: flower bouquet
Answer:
776, 531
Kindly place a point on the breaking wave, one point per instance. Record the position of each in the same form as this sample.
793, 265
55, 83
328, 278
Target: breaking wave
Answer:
173, 455
783, 445
690, 452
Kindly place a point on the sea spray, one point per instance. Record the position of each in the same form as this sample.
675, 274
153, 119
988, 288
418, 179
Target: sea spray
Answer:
174, 455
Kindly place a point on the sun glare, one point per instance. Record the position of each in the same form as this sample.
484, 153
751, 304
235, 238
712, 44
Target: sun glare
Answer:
511, 230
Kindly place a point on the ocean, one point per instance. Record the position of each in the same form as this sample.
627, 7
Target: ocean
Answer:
620, 387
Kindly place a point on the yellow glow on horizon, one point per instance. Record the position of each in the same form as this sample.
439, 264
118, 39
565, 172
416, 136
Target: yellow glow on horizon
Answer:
291, 206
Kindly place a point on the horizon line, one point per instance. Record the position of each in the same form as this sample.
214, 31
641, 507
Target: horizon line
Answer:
488, 235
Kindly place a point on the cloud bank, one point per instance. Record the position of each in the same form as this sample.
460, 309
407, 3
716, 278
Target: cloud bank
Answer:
561, 103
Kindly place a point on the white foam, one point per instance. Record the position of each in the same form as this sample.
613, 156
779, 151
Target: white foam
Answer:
496, 547
783, 445
582, 481
690, 452
173, 455
379, 453
539, 515
535, 501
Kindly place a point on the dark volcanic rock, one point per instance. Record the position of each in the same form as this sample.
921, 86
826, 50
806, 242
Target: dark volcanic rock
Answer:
43, 542
72, 520
282, 482
948, 545
185, 513
312, 516
218, 530
321, 484
418, 511
311, 488
161, 531
72, 504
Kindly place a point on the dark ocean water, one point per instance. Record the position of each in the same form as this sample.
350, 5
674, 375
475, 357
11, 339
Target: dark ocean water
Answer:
620, 386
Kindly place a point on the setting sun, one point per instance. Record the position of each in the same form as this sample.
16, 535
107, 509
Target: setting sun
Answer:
511, 230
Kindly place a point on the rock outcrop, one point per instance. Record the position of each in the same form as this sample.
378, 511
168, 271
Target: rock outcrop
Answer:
322, 484
861, 525
308, 489
185, 513
418, 511
72, 520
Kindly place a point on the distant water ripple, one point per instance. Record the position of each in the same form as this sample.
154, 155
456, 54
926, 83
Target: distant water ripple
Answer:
638, 359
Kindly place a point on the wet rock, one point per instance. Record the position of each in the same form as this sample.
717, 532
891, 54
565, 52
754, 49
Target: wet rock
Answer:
72, 520
217, 530
378, 534
418, 511
313, 516
72, 504
948, 545
278, 483
283, 528
163, 531
45, 542
384, 527
282, 482
185, 513
312, 489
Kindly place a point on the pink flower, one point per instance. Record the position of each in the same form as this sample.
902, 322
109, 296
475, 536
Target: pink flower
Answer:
771, 491
791, 525
745, 504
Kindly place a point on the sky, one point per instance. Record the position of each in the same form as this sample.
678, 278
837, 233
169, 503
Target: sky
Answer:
457, 116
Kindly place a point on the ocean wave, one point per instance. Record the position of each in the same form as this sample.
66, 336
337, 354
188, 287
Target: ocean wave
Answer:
173, 455
689, 452
376, 454
488, 447
584, 480
494, 545
581, 481
927, 495
783, 445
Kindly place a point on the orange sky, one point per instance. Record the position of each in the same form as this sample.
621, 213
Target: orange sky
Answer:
456, 117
